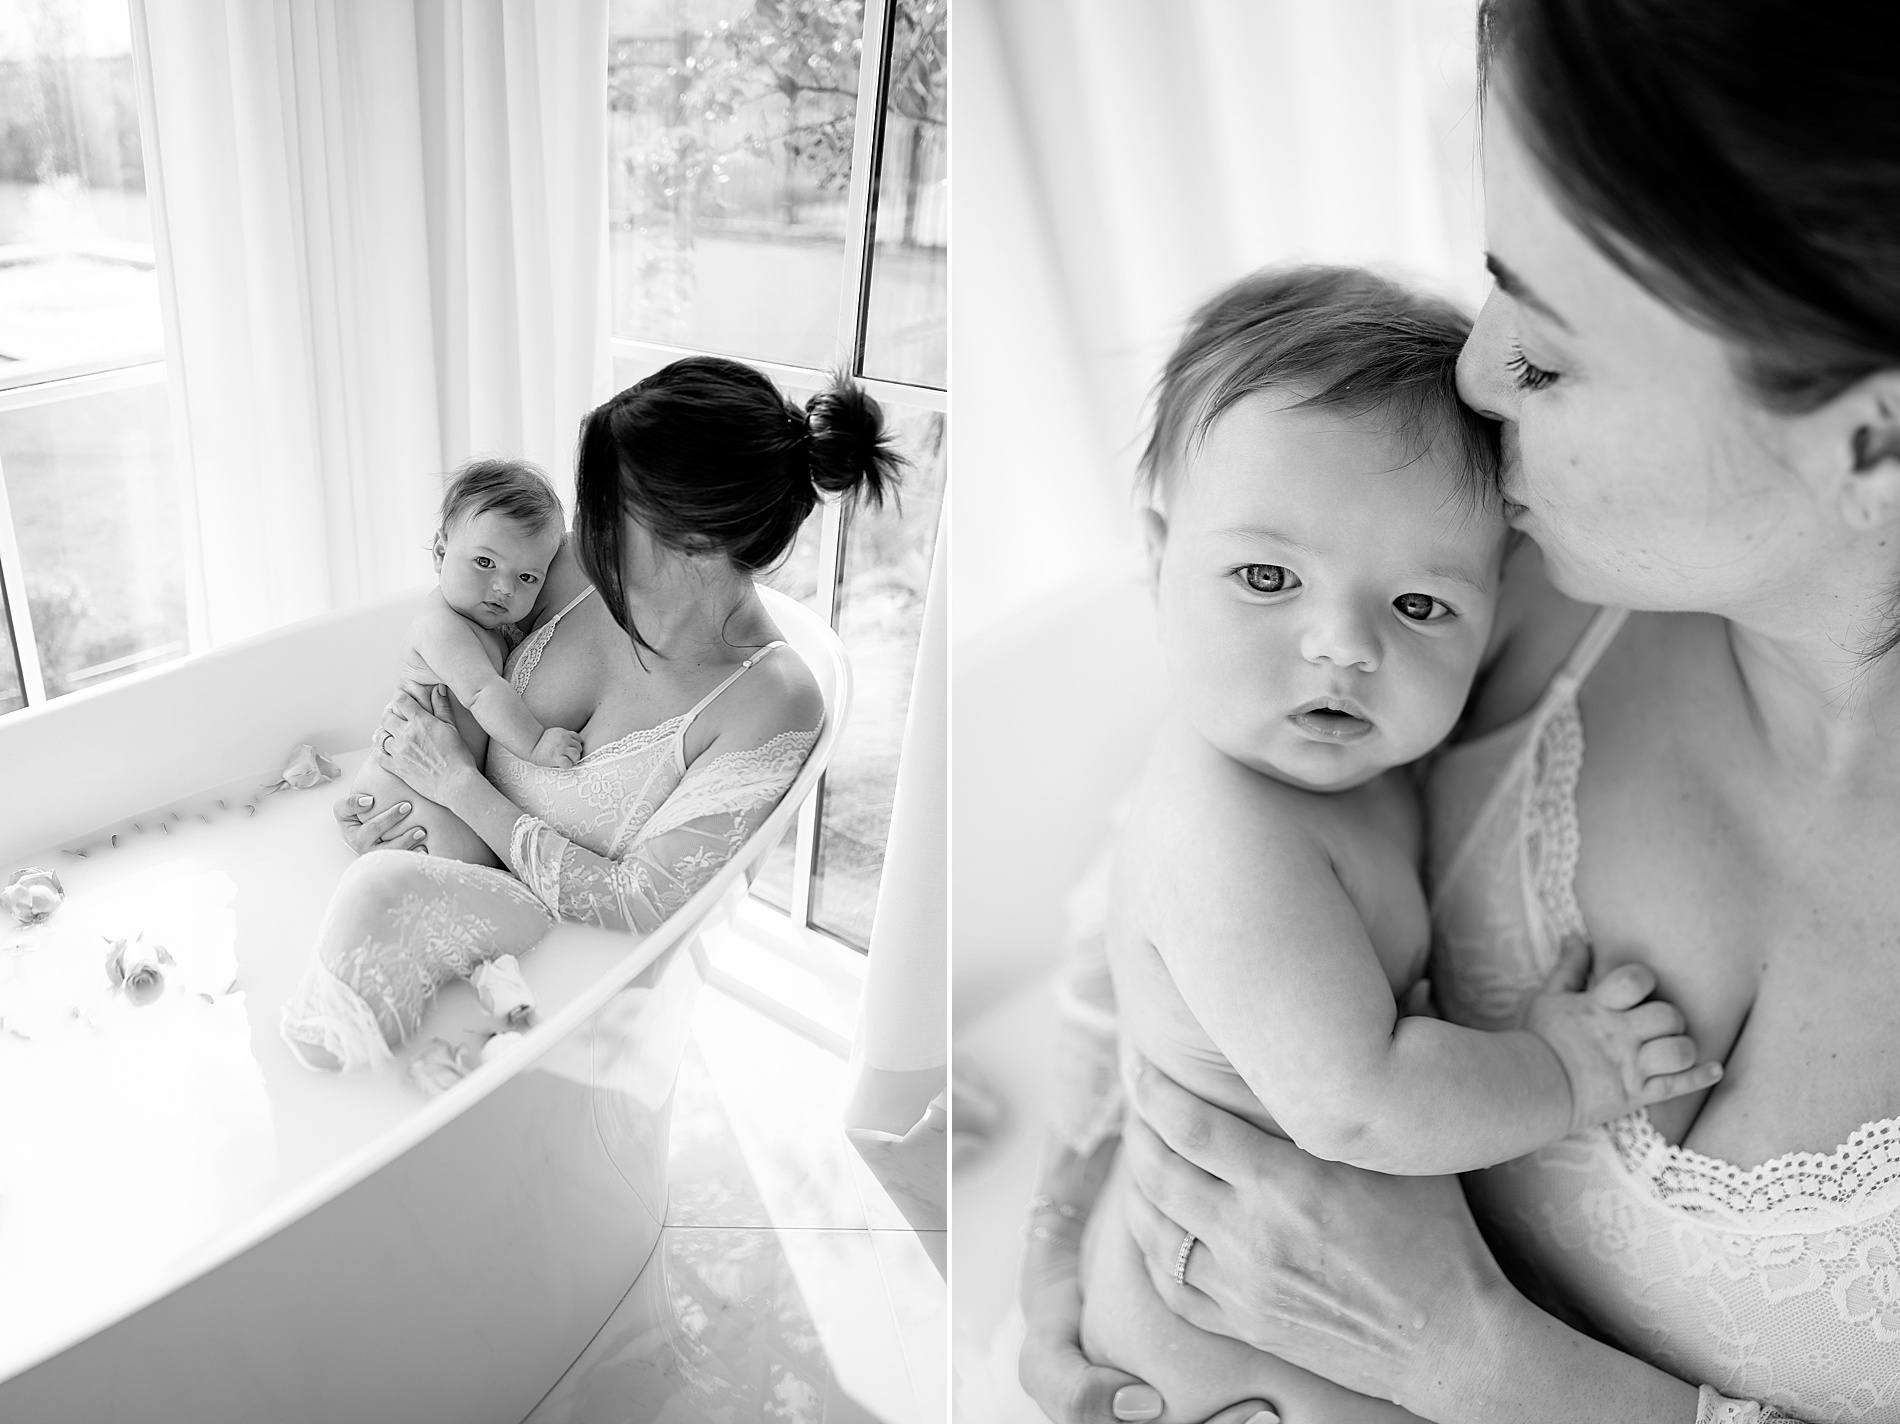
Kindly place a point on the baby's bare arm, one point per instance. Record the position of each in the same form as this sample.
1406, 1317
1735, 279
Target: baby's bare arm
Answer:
1268, 951
456, 653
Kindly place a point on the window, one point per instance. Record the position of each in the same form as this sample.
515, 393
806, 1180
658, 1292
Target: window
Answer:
91, 581
778, 194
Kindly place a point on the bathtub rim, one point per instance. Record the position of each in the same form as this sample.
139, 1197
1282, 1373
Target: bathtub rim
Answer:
676, 933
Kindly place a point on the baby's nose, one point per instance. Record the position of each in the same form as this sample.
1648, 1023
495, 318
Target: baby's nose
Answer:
1341, 637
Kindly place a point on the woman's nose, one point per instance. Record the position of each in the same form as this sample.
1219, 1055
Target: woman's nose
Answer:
1342, 637
1484, 381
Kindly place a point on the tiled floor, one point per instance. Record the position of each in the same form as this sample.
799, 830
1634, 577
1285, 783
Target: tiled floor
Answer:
797, 1277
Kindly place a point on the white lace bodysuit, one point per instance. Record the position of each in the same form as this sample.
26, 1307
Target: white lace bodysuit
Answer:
1777, 1286
620, 840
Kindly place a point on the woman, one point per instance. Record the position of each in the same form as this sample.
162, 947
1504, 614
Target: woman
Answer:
653, 642
1694, 221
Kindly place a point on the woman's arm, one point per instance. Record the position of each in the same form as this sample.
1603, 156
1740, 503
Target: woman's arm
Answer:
1380, 1283
421, 746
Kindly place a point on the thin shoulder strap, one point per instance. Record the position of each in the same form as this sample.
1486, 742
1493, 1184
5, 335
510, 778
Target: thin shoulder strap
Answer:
679, 738
529, 657
572, 604
1596, 639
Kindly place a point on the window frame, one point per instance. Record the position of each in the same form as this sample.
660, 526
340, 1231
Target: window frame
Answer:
860, 252
23, 389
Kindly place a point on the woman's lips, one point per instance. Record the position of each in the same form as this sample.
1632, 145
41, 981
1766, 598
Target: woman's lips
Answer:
1331, 719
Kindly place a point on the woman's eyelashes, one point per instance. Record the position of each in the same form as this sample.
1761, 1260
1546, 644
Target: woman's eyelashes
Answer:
1267, 578
1526, 376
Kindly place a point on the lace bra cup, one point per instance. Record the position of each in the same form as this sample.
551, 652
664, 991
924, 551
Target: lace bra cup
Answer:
1778, 1283
605, 799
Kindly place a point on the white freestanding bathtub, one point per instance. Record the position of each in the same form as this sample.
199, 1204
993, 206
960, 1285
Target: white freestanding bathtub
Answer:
395, 1257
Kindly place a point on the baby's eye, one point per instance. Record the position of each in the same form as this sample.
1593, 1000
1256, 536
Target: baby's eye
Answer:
1421, 607
1267, 578
482, 561
531, 578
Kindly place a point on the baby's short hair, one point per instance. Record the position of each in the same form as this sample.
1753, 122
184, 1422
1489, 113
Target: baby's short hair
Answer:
513, 488
1350, 339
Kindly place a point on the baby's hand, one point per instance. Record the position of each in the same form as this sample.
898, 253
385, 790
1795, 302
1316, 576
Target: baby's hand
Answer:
557, 747
1620, 1049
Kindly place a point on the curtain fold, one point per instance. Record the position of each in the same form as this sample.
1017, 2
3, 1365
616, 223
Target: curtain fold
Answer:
898, 1059
386, 224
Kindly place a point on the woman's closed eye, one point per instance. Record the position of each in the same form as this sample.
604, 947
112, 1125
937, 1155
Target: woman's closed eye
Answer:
1422, 607
1267, 578
1527, 376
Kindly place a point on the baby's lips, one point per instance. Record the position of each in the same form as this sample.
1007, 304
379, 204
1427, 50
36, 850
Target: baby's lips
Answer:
32, 894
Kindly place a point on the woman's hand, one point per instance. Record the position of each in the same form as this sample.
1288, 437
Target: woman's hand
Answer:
1379, 1283
421, 745
1063, 1382
365, 828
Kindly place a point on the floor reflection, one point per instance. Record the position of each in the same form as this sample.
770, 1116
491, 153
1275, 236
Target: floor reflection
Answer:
790, 1283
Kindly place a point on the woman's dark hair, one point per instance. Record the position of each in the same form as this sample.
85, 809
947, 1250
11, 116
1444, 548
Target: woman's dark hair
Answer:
1738, 158
1346, 339
710, 458
509, 487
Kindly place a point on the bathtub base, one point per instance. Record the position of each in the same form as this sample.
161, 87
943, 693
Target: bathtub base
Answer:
549, 1193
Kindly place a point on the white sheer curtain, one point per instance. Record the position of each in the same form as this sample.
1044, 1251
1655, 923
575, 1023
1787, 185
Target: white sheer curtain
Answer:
1117, 162
1130, 156
898, 1058
383, 224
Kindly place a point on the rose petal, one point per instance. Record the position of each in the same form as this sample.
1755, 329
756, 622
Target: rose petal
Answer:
503, 991
437, 1068
32, 894
499, 1045
309, 767
144, 985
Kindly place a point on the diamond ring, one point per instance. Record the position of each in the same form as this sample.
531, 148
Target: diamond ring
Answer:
1181, 1259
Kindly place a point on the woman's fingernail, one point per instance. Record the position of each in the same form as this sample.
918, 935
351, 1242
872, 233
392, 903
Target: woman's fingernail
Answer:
403, 808
1265, 1416
416, 834
366, 800
1137, 1401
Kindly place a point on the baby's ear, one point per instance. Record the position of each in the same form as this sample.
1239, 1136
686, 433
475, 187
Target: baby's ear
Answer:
441, 549
1154, 539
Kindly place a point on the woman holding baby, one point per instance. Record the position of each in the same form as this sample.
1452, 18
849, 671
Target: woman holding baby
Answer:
1693, 215
650, 640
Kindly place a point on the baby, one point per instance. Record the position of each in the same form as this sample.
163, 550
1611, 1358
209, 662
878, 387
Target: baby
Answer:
1325, 544
501, 526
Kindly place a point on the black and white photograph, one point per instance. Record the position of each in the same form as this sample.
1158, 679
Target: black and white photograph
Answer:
1425, 727
949, 712
472, 710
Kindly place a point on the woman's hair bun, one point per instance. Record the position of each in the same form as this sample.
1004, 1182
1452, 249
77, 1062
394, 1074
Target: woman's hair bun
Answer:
851, 451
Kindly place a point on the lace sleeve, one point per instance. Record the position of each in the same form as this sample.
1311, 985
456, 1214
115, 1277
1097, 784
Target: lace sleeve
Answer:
716, 806
1715, 1408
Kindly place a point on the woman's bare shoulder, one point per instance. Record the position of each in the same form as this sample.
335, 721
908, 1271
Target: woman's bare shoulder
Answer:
778, 694
1535, 630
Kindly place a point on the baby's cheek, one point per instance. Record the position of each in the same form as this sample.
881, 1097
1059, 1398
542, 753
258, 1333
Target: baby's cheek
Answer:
1435, 698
